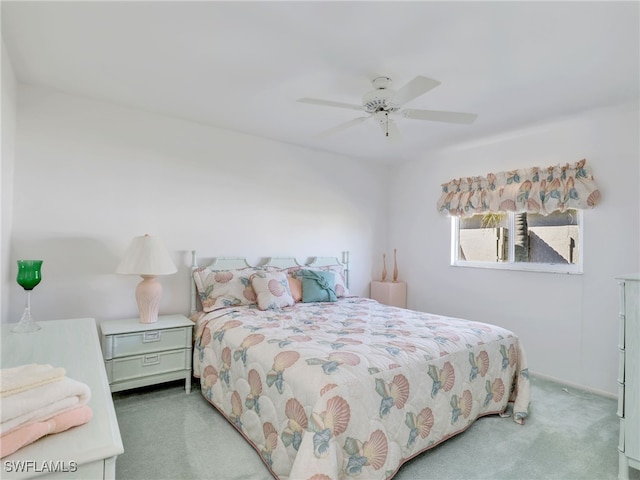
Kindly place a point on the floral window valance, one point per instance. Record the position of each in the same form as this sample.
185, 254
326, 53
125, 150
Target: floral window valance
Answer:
532, 190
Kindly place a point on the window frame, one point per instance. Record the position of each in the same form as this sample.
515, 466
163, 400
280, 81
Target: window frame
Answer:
511, 264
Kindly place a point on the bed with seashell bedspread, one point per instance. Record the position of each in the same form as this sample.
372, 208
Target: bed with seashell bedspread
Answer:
333, 390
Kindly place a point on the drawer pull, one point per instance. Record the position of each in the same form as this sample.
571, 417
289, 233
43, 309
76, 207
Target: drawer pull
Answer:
151, 360
620, 411
153, 336
621, 298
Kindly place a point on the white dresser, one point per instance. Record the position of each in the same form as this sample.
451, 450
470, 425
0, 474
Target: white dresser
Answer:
84, 452
629, 374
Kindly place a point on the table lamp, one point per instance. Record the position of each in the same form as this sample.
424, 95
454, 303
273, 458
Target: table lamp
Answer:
147, 257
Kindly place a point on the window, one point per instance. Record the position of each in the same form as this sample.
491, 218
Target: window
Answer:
519, 241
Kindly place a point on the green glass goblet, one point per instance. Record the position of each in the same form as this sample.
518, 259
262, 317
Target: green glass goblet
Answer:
29, 276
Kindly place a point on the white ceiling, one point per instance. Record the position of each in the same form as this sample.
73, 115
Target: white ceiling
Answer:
242, 65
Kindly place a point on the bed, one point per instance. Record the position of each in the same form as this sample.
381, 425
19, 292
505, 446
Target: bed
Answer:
344, 388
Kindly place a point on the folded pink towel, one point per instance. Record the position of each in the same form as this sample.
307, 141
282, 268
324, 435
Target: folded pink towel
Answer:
31, 432
41, 402
18, 379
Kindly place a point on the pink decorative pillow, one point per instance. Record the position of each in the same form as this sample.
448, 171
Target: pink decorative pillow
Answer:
295, 285
272, 290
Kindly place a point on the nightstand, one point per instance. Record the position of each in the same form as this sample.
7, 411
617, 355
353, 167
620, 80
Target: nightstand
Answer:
140, 354
390, 293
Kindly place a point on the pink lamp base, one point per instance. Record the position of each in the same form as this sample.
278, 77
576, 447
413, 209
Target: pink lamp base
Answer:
148, 295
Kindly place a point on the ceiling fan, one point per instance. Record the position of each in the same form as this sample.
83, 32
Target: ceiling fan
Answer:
383, 102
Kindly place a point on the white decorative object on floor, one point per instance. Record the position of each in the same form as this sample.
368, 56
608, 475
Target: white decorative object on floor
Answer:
137, 355
147, 257
88, 451
390, 293
629, 374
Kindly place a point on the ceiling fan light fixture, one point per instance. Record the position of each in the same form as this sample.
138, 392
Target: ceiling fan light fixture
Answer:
378, 100
382, 117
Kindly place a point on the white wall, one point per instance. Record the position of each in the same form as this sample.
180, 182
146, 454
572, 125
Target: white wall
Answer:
89, 176
8, 128
568, 323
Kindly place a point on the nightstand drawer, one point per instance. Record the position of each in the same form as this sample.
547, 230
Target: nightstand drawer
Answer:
137, 366
137, 343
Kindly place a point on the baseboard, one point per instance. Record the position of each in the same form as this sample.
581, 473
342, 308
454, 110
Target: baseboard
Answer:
595, 391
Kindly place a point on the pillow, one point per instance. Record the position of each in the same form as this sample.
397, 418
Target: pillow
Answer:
295, 285
224, 288
272, 290
340, 286
317, 286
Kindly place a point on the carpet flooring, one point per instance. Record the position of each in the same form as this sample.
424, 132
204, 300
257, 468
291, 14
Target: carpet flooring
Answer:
570, 435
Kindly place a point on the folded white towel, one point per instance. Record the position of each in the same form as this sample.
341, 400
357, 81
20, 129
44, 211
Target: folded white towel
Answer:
41, 402
18, 379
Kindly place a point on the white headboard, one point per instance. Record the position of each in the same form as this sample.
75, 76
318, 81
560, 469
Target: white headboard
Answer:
233, 263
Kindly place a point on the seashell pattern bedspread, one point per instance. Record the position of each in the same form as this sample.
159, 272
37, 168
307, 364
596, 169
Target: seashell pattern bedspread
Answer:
353, 388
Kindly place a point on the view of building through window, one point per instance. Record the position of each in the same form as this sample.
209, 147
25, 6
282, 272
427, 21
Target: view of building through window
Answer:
533, 238
480, 238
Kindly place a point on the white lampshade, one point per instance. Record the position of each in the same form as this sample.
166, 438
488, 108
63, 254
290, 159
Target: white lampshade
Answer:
146, 255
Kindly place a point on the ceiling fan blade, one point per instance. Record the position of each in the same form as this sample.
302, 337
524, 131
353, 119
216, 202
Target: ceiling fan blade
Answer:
414, 89
438, 116
329, 103
342, 126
